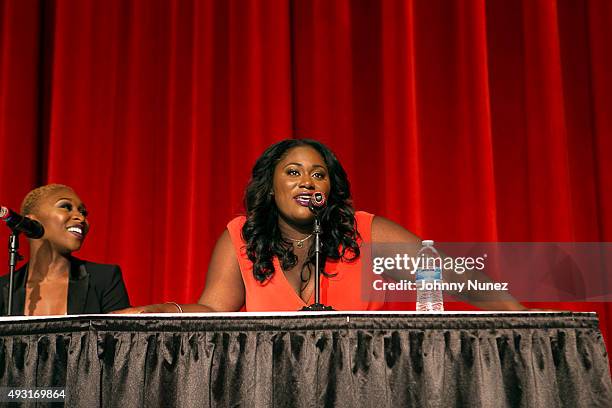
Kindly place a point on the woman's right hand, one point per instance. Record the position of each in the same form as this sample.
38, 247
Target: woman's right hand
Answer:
155, 308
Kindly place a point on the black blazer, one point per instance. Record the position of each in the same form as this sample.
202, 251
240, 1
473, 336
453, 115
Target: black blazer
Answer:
92, 288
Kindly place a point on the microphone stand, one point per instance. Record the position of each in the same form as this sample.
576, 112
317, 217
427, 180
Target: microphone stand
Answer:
14, 257
317, 306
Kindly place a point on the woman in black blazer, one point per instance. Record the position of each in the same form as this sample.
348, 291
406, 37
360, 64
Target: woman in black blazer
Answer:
53, 282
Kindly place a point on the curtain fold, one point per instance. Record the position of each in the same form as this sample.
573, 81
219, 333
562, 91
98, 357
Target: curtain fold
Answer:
486, 121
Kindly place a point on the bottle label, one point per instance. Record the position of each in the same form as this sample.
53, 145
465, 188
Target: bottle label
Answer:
429, 274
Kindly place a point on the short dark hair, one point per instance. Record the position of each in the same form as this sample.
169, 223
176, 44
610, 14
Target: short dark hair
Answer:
32, 199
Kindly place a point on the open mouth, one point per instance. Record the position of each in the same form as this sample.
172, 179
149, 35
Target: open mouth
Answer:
303, 199
77, 231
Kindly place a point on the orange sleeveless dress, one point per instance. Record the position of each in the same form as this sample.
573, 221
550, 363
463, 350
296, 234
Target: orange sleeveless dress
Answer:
343, 291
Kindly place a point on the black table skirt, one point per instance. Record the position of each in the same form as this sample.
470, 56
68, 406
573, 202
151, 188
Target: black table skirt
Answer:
315, 360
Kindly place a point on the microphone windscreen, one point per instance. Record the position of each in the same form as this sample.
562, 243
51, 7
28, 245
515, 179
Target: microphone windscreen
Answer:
317, 201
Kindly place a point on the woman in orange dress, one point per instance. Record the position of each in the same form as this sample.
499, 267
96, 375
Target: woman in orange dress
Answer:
264, 261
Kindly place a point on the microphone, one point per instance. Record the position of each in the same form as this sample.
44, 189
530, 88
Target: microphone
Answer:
18, 223
317, 202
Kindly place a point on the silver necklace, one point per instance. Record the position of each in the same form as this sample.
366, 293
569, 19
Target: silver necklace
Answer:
300, 242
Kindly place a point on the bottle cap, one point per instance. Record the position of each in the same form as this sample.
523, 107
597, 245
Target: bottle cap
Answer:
428, 242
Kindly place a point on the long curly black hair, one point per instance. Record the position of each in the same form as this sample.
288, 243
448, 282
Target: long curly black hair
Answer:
261, 232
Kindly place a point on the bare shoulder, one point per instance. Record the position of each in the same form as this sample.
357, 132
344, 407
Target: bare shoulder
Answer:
224, 290
385, 230
224, 259
224, 243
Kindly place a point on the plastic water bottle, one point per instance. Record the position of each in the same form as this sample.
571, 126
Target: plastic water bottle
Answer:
429, 270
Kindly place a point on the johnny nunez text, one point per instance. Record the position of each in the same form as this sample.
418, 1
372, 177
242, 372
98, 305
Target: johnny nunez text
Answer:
403, 284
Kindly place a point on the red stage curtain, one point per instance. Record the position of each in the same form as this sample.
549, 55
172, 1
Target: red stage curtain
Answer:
463, 121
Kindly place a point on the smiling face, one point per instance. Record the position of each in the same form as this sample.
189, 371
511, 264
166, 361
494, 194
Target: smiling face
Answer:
301, 172
64, 217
